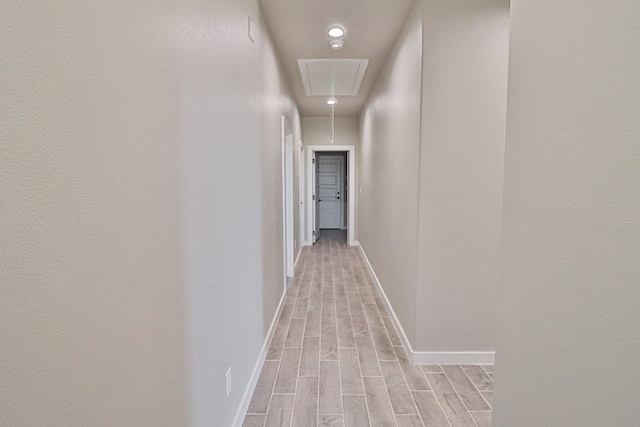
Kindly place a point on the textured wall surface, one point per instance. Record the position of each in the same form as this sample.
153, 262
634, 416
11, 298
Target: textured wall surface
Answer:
464, 93
317, 131
140, 205
431, 163
389, 156
234, 98
92, 305
568, 345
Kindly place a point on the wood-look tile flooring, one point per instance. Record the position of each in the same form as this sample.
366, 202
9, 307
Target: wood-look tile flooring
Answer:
336, 360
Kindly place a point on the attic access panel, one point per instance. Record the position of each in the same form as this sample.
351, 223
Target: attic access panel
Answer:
332, 77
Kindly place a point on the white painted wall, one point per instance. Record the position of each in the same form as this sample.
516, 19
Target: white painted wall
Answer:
317, 131
233, 213
92, 302
140, 193
464, 93
431, 164
275, 102
568, 337
388, 171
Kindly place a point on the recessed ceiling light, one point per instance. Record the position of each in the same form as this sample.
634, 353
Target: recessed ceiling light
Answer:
336, 44
336, 32
331, 101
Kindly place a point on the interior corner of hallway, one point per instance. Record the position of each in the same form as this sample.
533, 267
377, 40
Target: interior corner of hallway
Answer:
140, 199
431, 170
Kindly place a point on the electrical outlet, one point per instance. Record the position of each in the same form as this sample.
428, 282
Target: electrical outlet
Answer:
227, 382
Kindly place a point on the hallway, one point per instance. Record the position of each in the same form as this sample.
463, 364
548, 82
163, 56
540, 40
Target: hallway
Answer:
336, 360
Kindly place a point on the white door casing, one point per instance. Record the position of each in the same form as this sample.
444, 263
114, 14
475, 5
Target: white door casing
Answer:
287, 198
316, 199
301, 190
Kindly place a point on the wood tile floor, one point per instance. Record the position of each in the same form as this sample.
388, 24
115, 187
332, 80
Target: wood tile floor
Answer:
336, 360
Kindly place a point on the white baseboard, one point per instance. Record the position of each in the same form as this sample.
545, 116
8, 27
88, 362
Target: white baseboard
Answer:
396, 322
253, 380
296, 261
428, 357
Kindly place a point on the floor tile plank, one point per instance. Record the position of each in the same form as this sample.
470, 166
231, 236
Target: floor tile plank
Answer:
380, 411
451, 403
488, 369
310, 358
391, 330
346, 338
409, 421
373, 316
328, 340
264, 387
430, 409
367, 356
431, 368
488, 396
300, 309
413, 374
280, 411
401, 399
294, 335
288, 373
478, 377
330, 392
254, 421
312, 325
285, 315
471, 397
305, 407
483, 419
330, 421
277, 343
359, 322
355, 411
350, 372
382, 344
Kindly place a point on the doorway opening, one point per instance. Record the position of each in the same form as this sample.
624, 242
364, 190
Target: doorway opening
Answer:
331, 178
330, 190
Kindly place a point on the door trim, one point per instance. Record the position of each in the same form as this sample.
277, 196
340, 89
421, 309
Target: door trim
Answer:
351, 204
287, 199
301, 200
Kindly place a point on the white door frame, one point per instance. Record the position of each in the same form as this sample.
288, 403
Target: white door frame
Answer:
351, 203
301, 190
287, 199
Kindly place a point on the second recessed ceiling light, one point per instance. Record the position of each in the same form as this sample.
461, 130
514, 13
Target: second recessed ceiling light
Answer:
336, 44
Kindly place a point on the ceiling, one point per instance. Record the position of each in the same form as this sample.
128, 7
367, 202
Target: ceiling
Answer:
299, 31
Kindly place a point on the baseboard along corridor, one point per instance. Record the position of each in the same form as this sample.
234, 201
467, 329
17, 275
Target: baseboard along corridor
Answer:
336, 360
